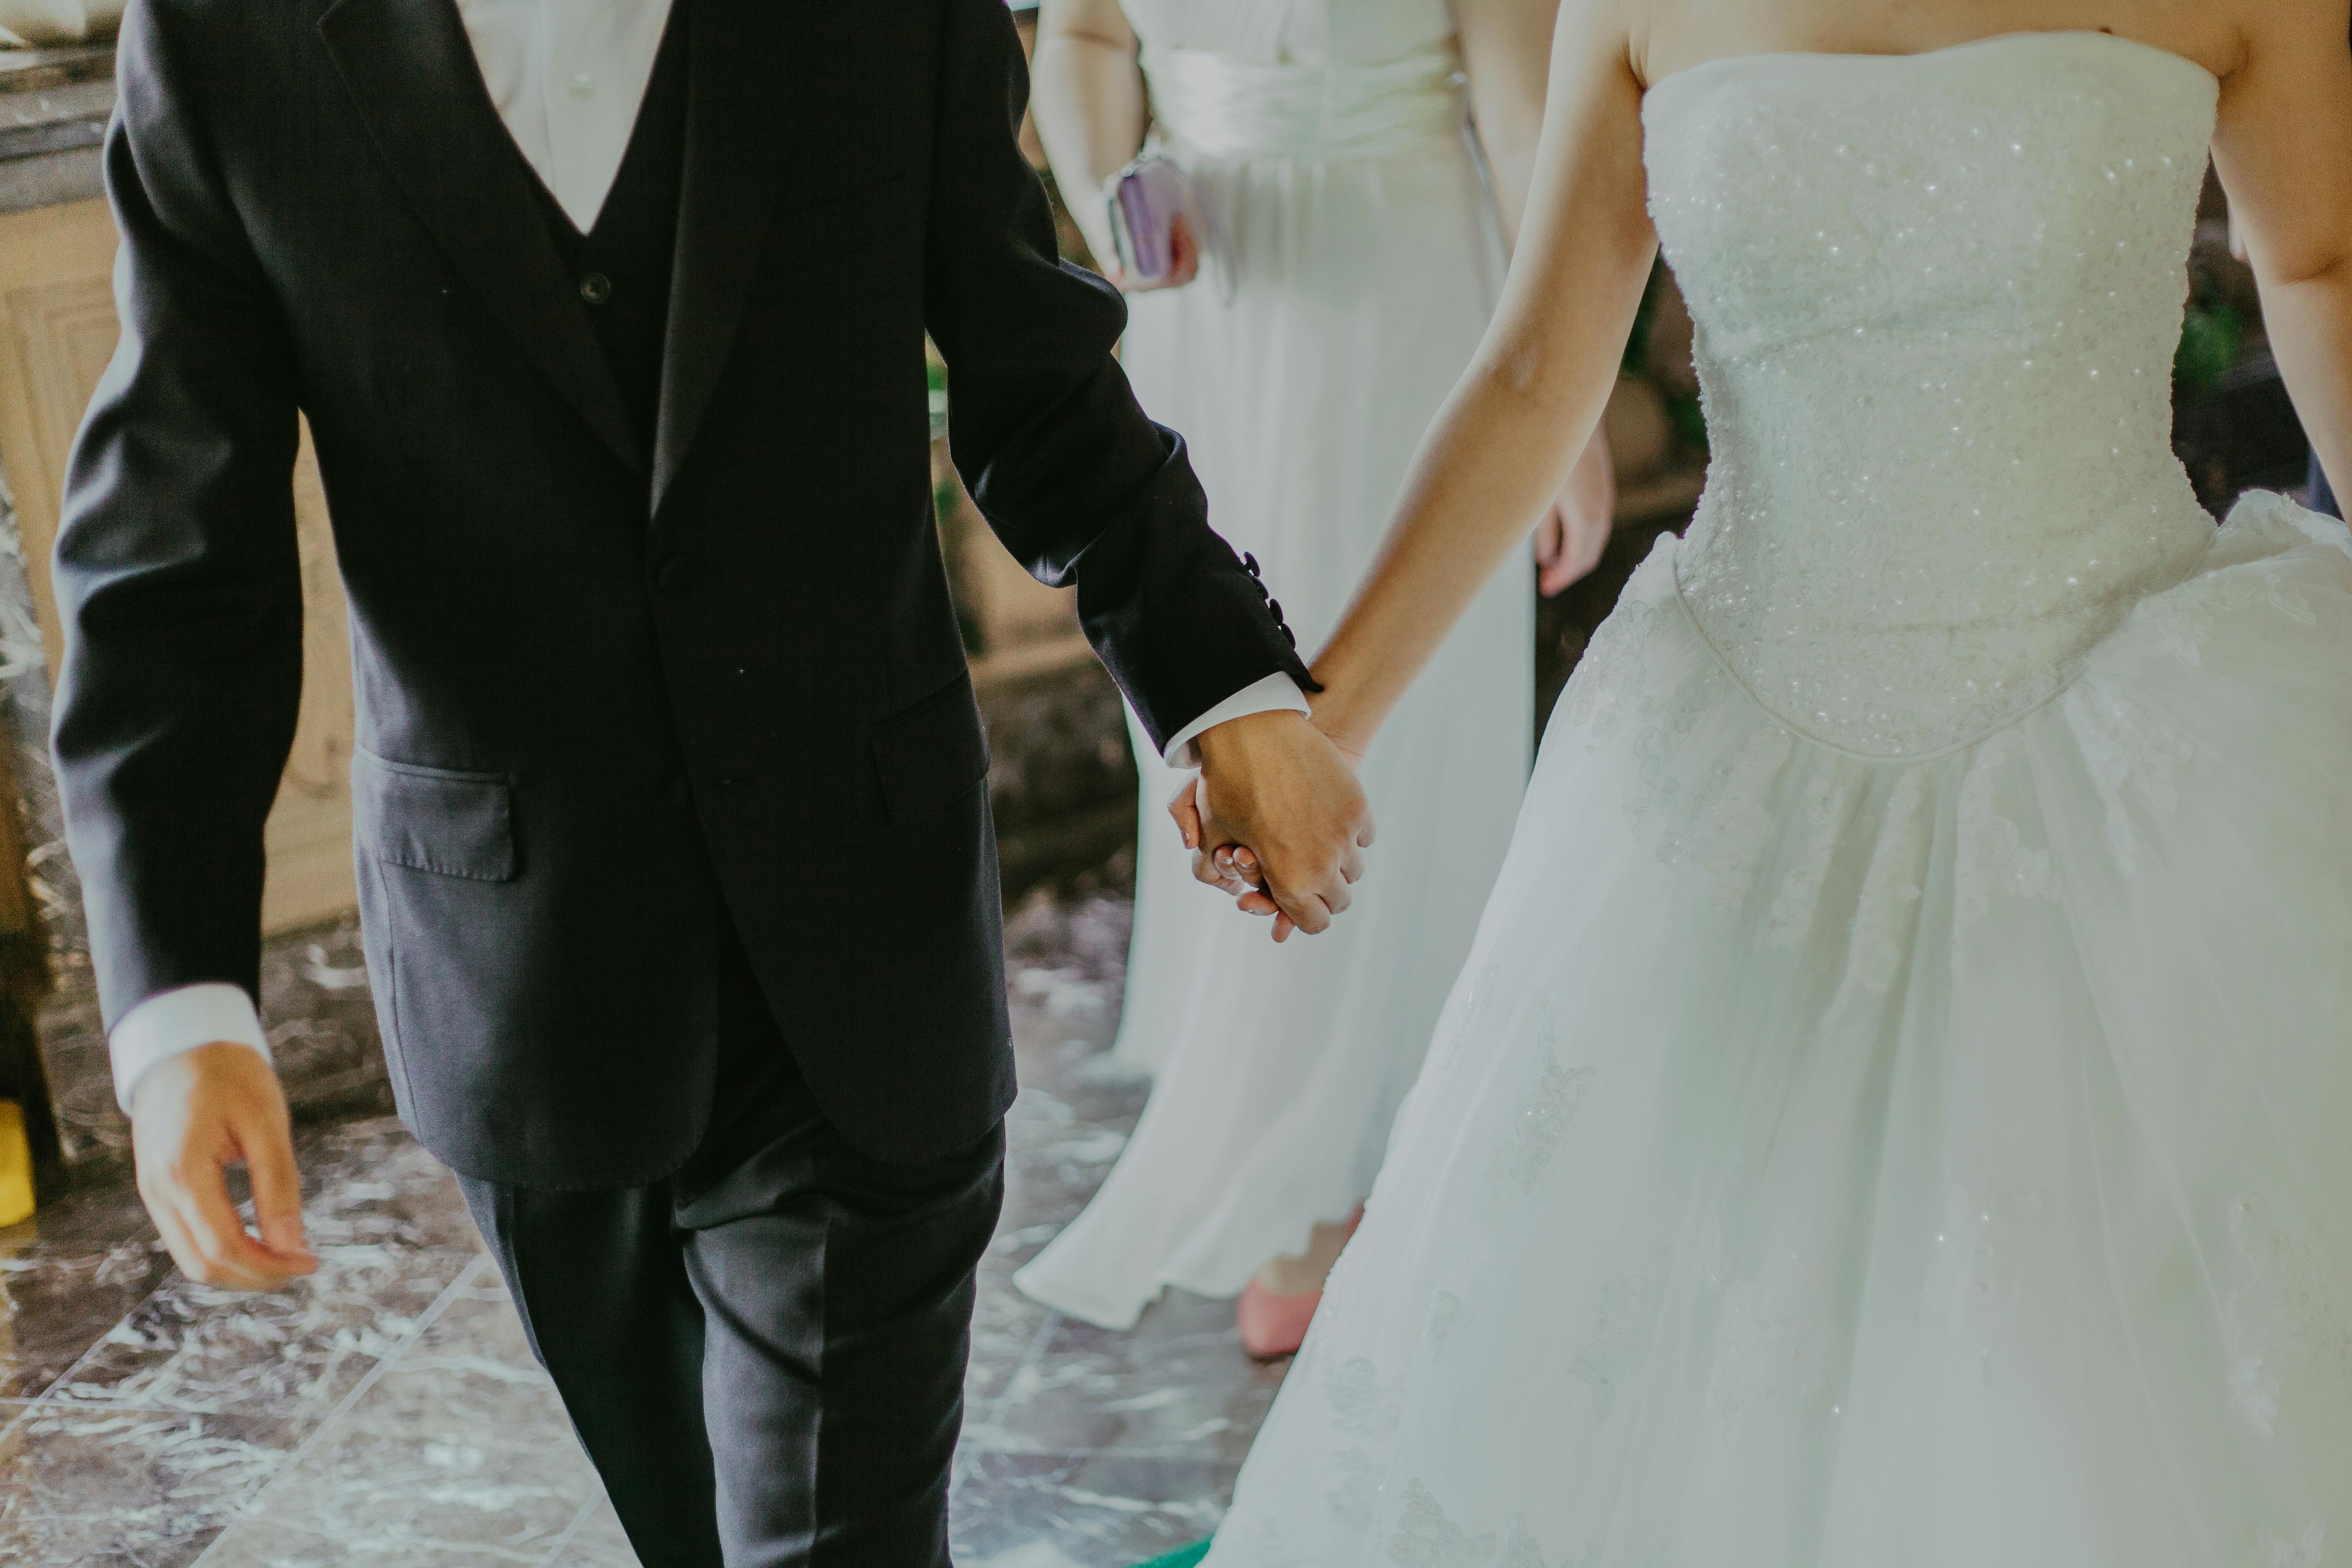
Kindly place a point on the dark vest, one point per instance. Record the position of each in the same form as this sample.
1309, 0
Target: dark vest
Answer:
622, 265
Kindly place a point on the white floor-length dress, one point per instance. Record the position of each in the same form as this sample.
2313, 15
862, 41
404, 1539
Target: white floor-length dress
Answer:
1898, 1111
1330, 138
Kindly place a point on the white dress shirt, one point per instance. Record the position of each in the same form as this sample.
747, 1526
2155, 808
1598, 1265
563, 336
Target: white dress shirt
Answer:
567, 77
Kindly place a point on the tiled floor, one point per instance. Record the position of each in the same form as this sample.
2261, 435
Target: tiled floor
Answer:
388, 1412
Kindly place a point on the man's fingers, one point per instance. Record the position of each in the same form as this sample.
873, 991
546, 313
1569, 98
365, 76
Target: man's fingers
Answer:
269, 1151
1365, 835
176, 1240
1351, 863
217, 1235
1306, 911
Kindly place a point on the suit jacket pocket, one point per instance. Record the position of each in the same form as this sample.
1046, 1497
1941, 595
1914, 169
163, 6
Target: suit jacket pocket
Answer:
433, 819
932, 752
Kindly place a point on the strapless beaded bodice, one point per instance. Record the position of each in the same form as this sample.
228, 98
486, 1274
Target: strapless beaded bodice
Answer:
1938, 299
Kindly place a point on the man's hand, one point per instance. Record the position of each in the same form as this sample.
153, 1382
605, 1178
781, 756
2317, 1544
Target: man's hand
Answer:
192, 1117
1276, 816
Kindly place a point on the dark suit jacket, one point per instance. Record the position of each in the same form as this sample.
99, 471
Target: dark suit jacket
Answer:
609, 698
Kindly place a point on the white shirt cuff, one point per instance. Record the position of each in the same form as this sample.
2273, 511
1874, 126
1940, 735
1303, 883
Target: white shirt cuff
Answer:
1277, 693
173, 1023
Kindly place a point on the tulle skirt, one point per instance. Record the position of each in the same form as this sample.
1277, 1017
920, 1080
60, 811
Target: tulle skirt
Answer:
1362, 289
1826, 1163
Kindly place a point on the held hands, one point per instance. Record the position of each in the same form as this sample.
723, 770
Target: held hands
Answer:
1277, 818
192, 1117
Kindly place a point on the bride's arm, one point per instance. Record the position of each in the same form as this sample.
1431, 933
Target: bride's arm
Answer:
1506, 53
1506, 50
2284, 149
1086, 94
1532, 397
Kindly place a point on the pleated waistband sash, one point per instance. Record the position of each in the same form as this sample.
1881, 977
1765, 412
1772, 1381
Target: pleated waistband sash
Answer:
1227, 107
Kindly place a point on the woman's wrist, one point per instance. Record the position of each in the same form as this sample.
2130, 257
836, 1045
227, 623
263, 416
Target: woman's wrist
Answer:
1332, 713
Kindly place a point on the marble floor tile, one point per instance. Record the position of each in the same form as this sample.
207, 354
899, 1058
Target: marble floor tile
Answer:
67, 1275
1084, 1510
457, 1452
595, 1541
1177, 1385
83, 1488
391, 1234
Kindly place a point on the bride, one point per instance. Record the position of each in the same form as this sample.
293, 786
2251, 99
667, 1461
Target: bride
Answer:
1898, 1108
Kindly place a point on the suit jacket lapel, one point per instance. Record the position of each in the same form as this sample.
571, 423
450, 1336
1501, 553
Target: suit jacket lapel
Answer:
411, 69
734, 135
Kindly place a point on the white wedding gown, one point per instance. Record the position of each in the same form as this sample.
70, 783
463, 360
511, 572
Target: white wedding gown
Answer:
1328, 136
1897, 1113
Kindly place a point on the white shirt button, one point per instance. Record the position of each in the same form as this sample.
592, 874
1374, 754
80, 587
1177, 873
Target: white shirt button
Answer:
584, 86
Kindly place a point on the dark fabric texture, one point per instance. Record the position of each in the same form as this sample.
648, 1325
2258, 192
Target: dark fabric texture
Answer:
616, 689
763, 1354
2322, 497
624, 263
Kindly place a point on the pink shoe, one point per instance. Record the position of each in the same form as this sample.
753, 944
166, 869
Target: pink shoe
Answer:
1274, 1324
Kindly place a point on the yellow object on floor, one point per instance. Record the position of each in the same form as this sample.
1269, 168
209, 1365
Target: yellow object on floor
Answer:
15, 1165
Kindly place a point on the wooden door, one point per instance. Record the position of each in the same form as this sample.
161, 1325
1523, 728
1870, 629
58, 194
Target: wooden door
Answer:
58, 329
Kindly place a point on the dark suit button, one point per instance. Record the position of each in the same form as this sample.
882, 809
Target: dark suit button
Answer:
595, 288
1249, 563
676, 575
1274, 608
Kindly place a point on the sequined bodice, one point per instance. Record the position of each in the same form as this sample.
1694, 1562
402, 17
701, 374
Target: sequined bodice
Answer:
1937, 301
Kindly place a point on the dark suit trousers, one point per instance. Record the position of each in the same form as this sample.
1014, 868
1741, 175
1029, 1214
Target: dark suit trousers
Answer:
764, 1353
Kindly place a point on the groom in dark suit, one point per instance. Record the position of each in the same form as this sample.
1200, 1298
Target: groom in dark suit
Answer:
675, 858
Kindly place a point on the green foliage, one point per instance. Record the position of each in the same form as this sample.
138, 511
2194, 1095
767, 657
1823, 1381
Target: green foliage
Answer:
2210, 339
1688, 421
1637, 342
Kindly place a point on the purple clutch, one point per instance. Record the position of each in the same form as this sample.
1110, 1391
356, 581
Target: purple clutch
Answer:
1146, 198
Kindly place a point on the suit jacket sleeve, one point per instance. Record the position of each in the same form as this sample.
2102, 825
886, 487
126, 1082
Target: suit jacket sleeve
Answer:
176, 572
1076, 480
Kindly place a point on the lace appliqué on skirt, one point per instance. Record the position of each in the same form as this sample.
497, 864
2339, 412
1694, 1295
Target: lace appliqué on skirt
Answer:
1993, 855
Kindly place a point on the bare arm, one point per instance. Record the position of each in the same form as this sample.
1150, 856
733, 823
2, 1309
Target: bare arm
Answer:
1532, 397
2284, 149
1088, 97
1507, 49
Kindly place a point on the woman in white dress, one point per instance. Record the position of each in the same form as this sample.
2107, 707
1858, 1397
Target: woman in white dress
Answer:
1338, 149
1898, 1107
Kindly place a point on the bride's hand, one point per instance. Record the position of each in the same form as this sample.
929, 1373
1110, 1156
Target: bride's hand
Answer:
1573, 533
1183, 250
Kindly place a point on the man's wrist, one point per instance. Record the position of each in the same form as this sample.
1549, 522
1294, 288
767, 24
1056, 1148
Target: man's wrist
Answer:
173, 1023
1234, 736
1276, 693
